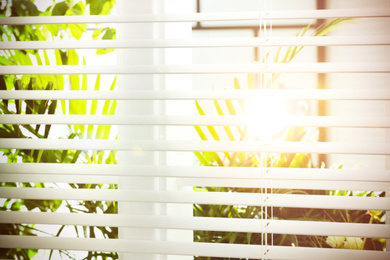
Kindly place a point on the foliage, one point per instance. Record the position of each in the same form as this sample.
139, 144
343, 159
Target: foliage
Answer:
300, 160
53, 82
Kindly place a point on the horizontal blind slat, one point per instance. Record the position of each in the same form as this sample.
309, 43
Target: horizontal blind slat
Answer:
208, 182
70, 170
195, 17
185, 120
190, 146
284, 184
200, 223
57, 178
134, 246
198, 43
315, 94
218, 198
323, 67
188, 248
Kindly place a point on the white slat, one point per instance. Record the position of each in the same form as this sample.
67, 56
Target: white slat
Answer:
198, 43
285, 184
200, 223
208, 182
190, 146
324, 67
217, 198
195, 17
361, 174
315, 94
188, 248
305, 121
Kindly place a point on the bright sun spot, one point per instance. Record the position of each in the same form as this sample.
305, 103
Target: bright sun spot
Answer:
265, 116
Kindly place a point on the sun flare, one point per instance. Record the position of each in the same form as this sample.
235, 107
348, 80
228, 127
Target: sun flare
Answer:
265, 117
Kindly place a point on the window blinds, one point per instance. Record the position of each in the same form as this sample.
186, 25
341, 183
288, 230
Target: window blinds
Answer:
266, 178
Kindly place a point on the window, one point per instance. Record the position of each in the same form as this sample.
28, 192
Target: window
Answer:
209, 134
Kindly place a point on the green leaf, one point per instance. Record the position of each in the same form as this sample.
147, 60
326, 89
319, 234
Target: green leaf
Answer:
111, 159
24, 8
59, 79
104, 51
103, 129
208, 156
248, 238
328, 26
304, 31
30, 103
216, 158
301, 160
22, 58
213, 133
277, 53
47, 62
5, 61
230, 107
110, 34
77, 30
228, 131
242, 157
54, 29
100, 132
59, 8
211, 129
100, 158
200, 133
96, 33
94, 102
107, 128
75, 156
94, 106
233, 237
203, 161
78, 9
55, 204
73, 59
232, 112
84, 86
108, 5
51, 111
226, 128
200, 110
39, 60
212, 158
3, 86
18, 86
236, 84
76, 106
112, 87
31, 253
97, 7
40, 152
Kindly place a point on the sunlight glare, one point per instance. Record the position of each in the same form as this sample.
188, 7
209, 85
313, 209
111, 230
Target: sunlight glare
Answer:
265, 117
